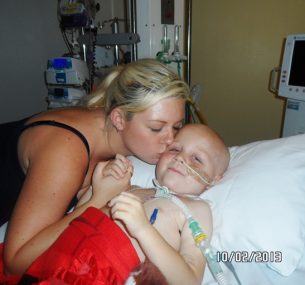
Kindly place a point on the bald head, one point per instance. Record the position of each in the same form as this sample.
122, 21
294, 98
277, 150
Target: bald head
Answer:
210, 141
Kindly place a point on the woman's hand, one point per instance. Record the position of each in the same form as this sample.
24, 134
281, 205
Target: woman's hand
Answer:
128, 208
110, 178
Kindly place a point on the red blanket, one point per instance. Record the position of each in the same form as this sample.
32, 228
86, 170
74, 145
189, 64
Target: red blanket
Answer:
92, 250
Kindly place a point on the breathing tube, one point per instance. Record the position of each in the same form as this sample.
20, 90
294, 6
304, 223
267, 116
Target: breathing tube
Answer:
200, 238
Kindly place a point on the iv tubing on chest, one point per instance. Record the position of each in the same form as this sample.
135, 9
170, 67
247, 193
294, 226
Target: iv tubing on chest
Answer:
200, 238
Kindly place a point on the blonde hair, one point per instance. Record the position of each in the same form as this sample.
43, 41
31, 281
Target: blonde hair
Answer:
136, 86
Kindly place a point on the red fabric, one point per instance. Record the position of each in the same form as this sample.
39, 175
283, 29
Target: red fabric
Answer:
92, 250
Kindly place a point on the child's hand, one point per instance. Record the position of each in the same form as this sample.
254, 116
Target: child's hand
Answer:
128, 208
118, 167
110, 178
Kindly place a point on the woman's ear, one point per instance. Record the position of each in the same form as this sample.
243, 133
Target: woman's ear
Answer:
117, 118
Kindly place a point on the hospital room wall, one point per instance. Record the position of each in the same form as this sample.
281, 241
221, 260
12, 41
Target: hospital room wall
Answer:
235, 45
29, 36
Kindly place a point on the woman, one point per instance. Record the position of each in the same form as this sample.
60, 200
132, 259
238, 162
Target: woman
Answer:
137, 110
143, 224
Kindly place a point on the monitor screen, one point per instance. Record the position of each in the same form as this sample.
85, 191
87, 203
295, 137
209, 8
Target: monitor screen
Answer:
297, 69
292, 78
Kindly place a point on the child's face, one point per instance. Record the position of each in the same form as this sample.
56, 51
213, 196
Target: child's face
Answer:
194, 146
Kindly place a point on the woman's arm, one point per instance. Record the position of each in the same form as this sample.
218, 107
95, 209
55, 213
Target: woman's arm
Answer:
183, 267
55, 173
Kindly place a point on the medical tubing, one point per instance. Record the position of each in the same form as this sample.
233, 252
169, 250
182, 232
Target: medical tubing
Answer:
206, 249
203, 243
199, 236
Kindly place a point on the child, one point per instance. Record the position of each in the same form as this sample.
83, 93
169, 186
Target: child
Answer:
195, 161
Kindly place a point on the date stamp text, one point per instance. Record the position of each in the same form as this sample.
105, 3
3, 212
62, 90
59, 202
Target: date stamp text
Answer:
249, 256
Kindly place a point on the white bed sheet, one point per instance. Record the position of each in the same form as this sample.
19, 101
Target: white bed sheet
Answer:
2, 232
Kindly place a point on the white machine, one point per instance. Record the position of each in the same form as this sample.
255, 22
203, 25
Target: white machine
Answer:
67, 80
292, 85
64, 96
66, 71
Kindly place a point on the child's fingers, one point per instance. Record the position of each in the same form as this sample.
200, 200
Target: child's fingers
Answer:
115, 171
127, 164
122, 160
115, 168
118, 167
124, 207
126, 198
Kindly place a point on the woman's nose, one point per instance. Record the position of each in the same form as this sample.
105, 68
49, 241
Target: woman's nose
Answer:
168, 137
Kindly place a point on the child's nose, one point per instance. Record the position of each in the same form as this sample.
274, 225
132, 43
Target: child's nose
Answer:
179, 158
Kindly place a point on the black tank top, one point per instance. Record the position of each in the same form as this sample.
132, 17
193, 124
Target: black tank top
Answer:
11, 174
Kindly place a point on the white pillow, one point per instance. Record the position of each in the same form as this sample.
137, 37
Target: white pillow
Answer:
143, 173
259, 205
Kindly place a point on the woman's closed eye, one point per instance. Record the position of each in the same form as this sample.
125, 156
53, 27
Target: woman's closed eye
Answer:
177, 128
156, 130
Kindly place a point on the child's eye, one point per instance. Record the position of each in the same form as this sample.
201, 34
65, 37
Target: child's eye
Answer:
197, 159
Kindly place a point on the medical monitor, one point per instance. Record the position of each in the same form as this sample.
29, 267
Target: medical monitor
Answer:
292, 78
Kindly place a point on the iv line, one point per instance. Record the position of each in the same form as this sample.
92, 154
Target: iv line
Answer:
199, 236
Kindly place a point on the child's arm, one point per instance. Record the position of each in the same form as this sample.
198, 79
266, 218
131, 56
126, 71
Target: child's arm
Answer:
183, 267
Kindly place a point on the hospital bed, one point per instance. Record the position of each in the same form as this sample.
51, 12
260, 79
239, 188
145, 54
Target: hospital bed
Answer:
258, 212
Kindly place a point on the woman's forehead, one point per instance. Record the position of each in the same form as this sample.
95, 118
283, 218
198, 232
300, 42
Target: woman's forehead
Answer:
165, 110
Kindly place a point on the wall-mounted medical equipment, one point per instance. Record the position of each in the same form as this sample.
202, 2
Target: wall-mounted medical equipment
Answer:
165, 56
291, 84
292, 78
115, 39
164, 29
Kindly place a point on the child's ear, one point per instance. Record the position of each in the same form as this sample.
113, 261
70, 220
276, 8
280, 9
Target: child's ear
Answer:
215, 180
117, 118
